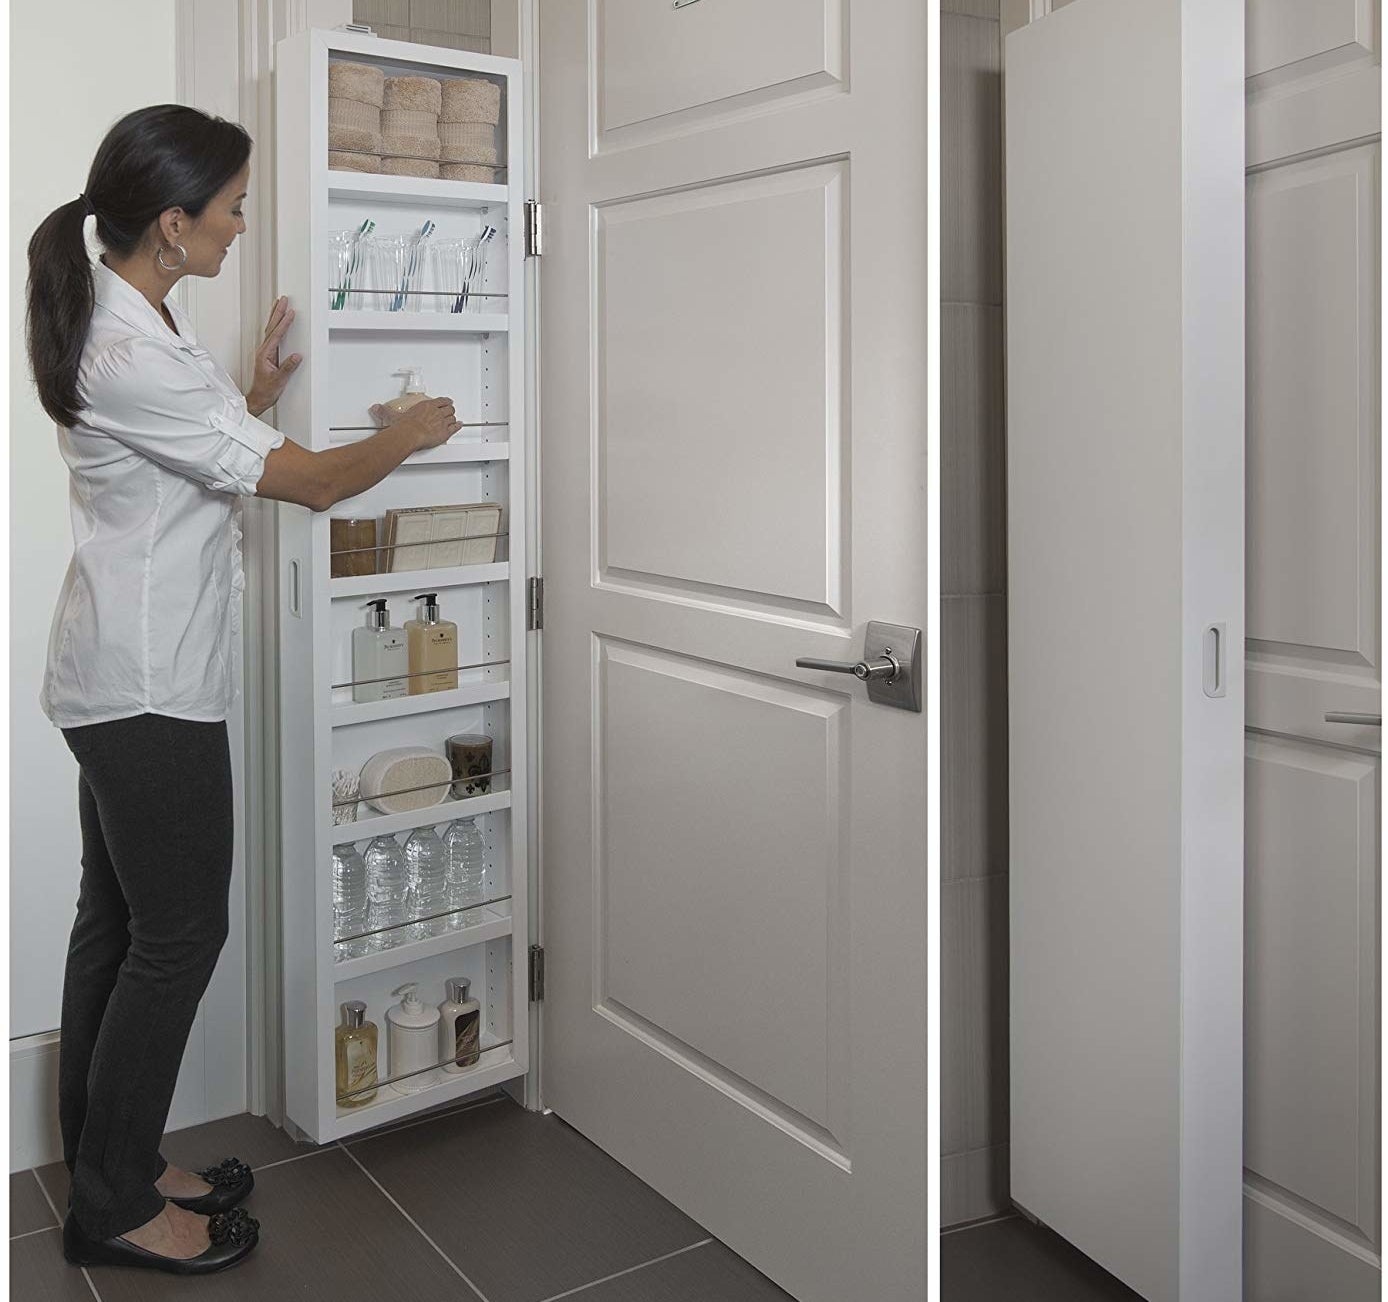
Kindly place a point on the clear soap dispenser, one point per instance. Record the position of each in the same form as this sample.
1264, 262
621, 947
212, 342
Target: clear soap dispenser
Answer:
433, 646
412, 1041
380, 657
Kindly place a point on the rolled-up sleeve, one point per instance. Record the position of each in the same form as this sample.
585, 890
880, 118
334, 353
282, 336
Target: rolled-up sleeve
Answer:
154, 401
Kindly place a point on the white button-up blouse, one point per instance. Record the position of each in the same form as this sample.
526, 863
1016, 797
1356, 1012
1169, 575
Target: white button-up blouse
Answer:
149, 615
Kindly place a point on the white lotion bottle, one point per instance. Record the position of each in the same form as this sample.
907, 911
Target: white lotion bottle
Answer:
460, 1027
380, 657
412, 1041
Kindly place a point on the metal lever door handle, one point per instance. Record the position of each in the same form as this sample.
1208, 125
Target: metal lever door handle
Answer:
890, 668
887, 669
1350, 716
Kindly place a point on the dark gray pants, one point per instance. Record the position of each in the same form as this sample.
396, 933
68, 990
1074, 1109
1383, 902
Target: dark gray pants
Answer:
155, 801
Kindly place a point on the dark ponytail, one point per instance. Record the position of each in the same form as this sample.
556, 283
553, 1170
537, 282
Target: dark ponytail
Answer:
167, 156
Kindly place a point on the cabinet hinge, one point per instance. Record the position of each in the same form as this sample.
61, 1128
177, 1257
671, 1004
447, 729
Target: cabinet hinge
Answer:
535, 605
537, 973
534, 228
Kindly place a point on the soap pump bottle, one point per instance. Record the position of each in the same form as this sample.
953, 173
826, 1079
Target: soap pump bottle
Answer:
411, 393
380, 657
459, 1026
356, 1057
433, 648
412, 1041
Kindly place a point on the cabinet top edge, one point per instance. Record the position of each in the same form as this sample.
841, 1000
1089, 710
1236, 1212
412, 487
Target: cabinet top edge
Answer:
392, 51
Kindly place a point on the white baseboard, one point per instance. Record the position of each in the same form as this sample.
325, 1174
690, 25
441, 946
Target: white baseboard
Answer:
34, 1136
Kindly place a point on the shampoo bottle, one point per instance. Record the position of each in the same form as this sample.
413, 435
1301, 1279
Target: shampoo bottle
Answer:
459, 1026
380, 657
433, 648
412, 1041
356, 1057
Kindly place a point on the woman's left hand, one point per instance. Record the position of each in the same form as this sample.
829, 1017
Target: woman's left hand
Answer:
271, 374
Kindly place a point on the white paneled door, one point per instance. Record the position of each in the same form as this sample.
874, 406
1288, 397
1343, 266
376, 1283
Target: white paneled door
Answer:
1311, 1144
1125, 342
734, 470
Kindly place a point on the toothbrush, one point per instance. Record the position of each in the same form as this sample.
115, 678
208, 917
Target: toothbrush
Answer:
365, 229
402, 293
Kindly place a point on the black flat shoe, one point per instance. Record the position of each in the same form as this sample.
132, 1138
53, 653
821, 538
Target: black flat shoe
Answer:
231, 1182
233, 1235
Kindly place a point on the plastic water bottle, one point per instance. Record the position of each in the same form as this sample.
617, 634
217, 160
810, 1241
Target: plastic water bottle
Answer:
466, 859
386, 890
426, 872
349, 901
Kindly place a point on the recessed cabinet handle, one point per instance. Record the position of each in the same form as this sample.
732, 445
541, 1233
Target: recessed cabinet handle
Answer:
1352, 717
293, 587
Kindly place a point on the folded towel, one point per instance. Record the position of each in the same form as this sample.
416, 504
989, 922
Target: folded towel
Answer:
409, 167
353, 113
468, 142
359, 81
349, 138
423, 94
470, 172
426, 147
470, 99
341, 162
409, 122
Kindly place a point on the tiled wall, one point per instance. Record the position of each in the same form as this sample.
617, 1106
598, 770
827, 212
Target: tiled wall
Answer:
973, 564
459, 24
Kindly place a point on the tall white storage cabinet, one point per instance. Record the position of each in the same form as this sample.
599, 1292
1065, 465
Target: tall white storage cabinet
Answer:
351, 354
1125, 484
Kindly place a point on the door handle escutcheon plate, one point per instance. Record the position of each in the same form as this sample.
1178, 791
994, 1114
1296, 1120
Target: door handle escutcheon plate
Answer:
891, 665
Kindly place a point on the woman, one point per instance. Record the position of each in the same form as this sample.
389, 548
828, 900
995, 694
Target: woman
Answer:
141, 673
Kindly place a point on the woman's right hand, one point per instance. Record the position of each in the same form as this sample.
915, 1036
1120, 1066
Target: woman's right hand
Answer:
433, 421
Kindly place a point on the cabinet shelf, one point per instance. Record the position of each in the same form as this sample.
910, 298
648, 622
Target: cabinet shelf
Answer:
496, 1065
472, 323
344, 716
370, 187
449, 576
365, 829
458, 453
491, 927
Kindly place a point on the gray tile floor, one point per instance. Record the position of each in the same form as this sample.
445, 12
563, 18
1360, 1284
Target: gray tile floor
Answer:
486, 1201
1012, 1260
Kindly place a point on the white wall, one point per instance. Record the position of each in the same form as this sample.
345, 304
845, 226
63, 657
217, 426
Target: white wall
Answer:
121, 57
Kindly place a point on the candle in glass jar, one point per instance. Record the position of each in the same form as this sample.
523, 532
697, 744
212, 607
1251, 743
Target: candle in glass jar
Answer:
352, 544
470, 754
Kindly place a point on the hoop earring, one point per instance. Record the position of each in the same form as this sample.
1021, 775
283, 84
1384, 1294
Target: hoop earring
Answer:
159, 258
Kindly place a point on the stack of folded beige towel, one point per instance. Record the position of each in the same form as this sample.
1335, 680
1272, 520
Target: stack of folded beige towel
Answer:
355, 95
410, 126
467, 129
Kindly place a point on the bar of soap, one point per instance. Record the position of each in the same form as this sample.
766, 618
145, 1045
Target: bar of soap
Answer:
405, 778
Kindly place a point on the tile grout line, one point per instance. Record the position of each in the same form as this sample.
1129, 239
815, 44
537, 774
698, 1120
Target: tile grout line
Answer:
385, 1193
57, 1220
54, 1208
630, 1270
29, 1234
285, 1161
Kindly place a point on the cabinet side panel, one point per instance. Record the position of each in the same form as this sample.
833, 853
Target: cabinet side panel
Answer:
1212, 52
298, 760
1094, 600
